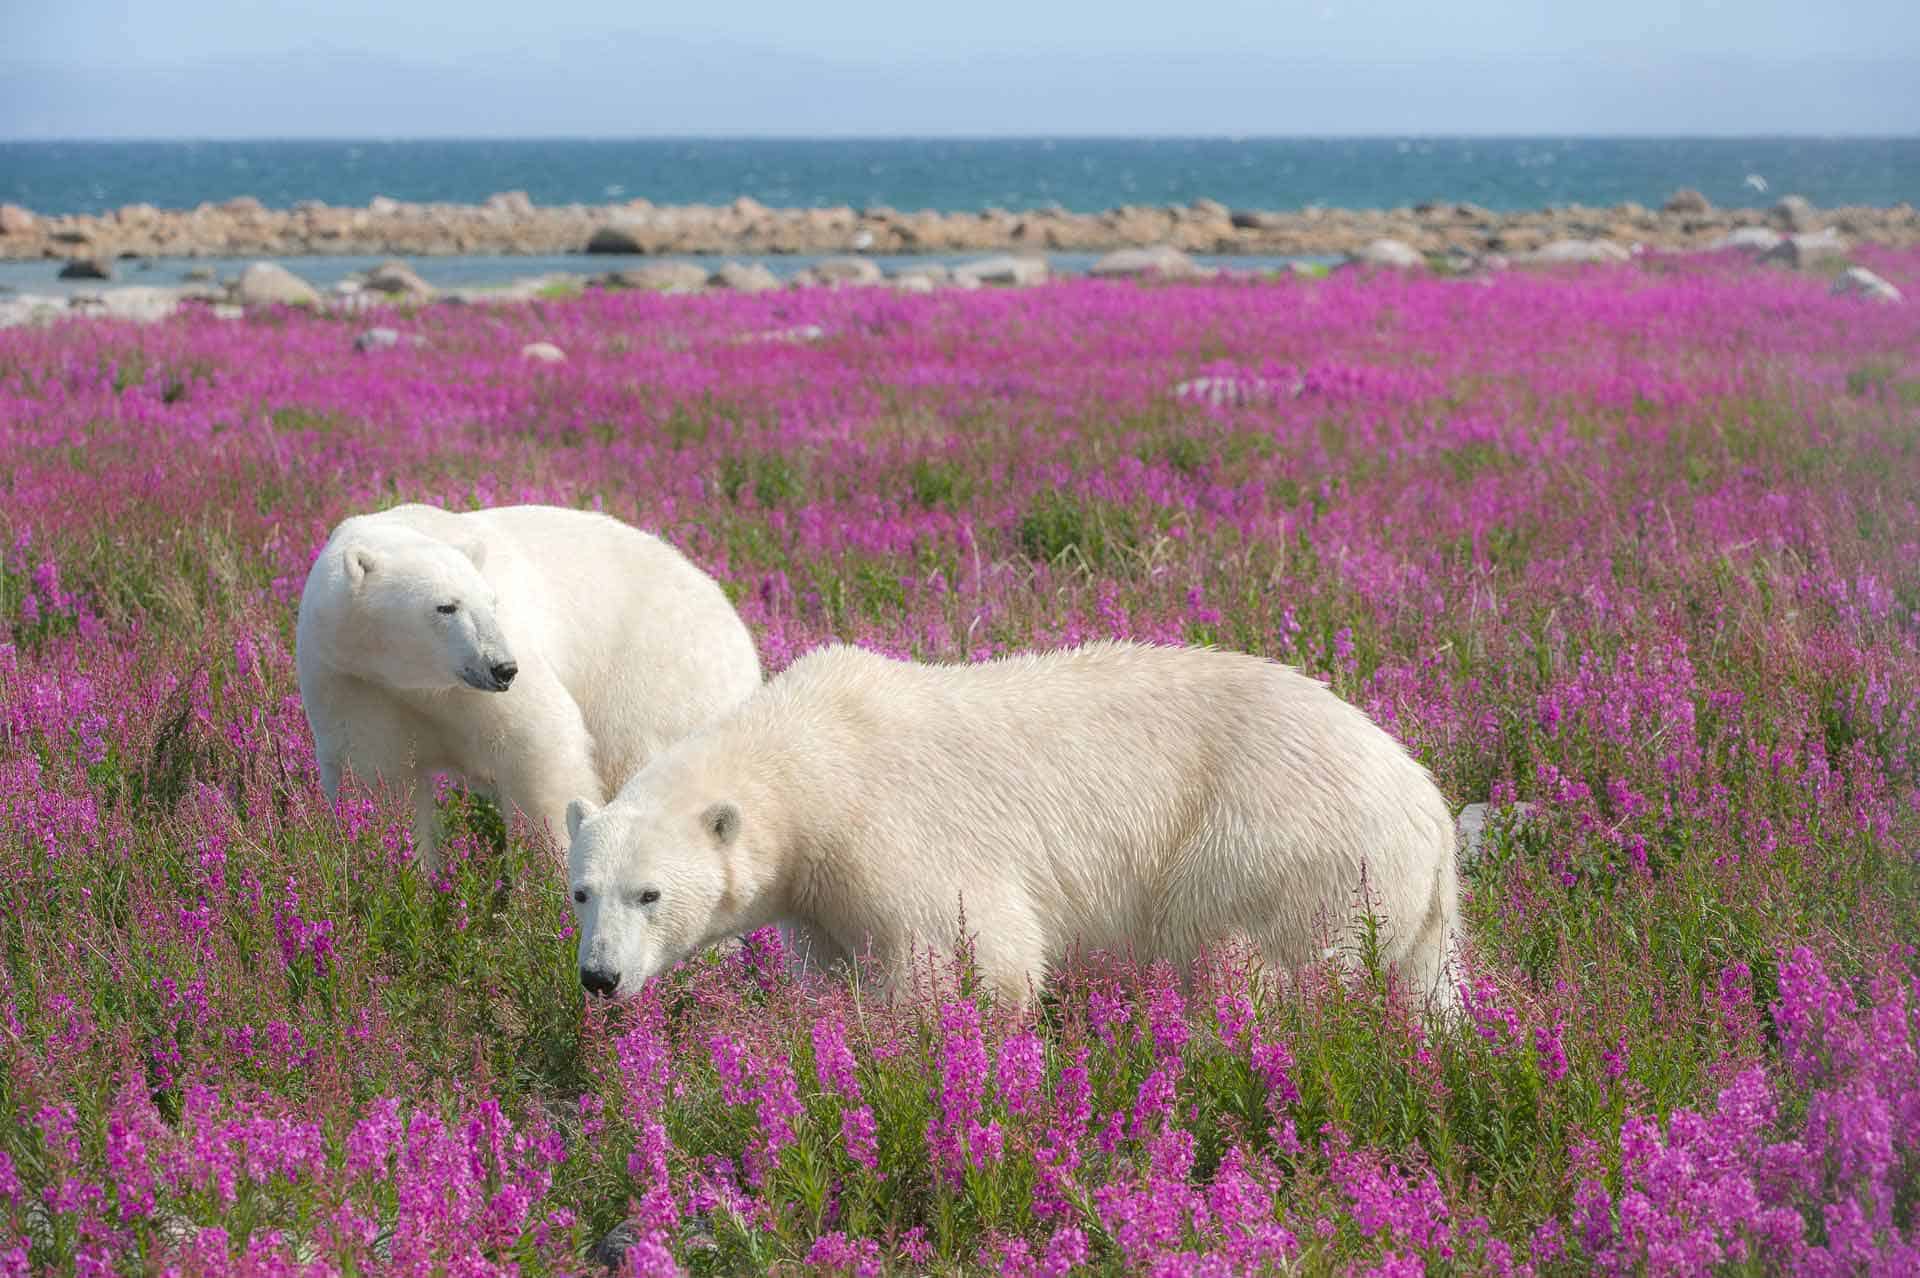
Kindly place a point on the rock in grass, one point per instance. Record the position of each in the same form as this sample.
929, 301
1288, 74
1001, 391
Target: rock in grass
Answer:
268, 284
1006, 270
786, 336
1565, 252
376, 339
1810, 248
1162, 260
1395, 255
847, 270
745, 277
88, 268
1235, 392
1747, 239
397, 279
543, 353
29, 309
659, 277
612, 1250
144, 304
1472, 824
933, 271
1858, 281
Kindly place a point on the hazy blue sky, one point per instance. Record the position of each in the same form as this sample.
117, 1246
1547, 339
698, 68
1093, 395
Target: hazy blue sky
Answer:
275, 68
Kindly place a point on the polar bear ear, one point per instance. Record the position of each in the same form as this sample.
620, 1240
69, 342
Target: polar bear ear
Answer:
578, 811
360, 561
722, 821
476, 551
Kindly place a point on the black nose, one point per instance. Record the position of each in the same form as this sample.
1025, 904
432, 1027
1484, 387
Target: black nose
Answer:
598, 981
503, 673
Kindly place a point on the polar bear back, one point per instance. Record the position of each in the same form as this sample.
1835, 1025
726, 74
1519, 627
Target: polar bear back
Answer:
1118, 795
636, 632
646, 644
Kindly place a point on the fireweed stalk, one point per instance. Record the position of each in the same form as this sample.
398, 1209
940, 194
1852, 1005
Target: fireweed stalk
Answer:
1639, 547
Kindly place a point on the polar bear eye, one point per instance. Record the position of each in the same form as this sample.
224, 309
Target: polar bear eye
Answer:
447, 610
649, 896
580, 896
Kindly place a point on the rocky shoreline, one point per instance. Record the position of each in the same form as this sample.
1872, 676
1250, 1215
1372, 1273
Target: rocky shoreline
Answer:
510, 223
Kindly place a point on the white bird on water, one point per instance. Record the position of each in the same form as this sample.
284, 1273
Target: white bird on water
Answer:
1757, 182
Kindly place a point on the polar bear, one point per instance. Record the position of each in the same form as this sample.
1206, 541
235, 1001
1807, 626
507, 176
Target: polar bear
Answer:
534, 652
1122, 797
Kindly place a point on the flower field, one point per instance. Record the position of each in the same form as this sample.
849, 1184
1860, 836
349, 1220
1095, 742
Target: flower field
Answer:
1637, 546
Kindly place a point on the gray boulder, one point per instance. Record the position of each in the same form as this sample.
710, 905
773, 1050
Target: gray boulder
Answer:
1858, 281
931, 271
744, 277
785, 336
1236, 392
1810, 248
1395, 255
1472, 824
543, 353
1794, 213
1747, 239
510, 204
1017, 271
144, 304
1561, 252
270, 284
376, 339
88, 268
615, 237
847, 270
660, 277
1687, 200
1162, 260
1257, 220
611, 1251
397, 279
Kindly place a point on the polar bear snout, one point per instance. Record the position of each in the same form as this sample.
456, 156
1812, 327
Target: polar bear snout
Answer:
598, 981
495, 675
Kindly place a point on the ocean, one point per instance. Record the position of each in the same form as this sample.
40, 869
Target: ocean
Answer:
1083, 175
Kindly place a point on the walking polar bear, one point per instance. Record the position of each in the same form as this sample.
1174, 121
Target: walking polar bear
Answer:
535, 652
1118, 796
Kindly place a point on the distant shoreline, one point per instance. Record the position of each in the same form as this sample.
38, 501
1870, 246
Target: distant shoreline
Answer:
510, 224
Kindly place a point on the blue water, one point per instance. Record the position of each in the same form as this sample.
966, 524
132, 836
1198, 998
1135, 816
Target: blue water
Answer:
1080, 174
42, 276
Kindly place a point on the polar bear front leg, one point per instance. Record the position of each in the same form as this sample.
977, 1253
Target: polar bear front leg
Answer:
547, 759
379, 743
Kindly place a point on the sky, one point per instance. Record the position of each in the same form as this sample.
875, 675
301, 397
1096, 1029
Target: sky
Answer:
630, 68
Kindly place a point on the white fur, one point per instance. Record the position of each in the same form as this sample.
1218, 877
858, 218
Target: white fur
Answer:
1118, 797
623, 646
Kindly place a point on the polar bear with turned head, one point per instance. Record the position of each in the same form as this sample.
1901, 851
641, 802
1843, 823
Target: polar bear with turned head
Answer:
532, 652
1144, 800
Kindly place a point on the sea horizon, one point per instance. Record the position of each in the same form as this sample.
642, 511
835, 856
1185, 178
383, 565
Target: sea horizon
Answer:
1079, 172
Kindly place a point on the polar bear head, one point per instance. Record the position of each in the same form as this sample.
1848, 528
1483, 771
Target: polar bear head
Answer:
656, 875
419, 615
